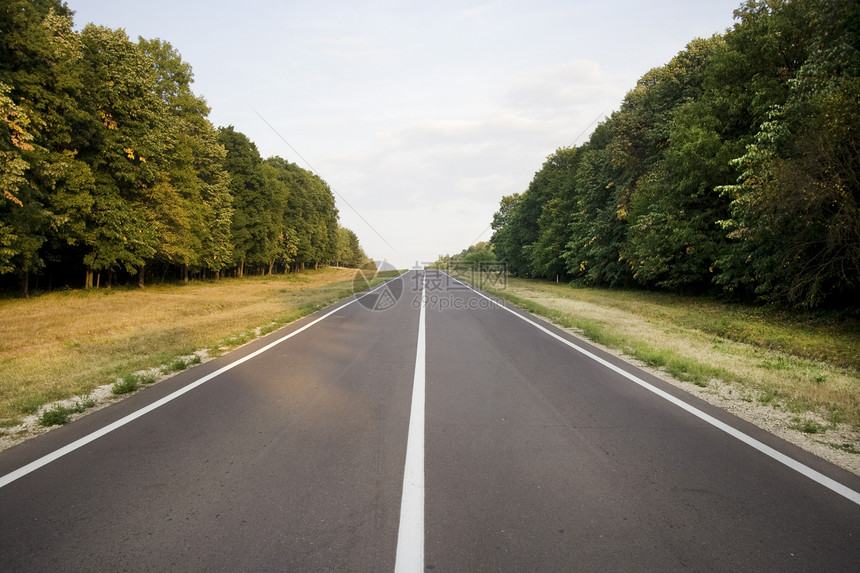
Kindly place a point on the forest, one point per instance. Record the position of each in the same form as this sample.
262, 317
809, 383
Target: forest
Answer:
733, 170
111, 172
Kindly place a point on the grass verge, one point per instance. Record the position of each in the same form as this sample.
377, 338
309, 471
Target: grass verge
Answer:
804, 364
65, 344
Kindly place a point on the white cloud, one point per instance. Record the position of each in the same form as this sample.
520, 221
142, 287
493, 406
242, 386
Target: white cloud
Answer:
549, 91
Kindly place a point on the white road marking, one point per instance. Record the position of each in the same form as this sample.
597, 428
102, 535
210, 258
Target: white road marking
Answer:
410, 535
57, 454
805, 470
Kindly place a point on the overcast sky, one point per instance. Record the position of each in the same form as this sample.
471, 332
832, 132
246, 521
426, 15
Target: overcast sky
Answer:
419, 115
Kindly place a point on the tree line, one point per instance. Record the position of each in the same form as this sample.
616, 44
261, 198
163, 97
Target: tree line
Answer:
111, 171
732, 169
473, 256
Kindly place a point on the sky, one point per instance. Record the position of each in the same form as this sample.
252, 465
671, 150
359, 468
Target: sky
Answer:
420, 116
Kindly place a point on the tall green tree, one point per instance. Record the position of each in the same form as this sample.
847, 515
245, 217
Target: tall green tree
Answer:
674, 237
598, 227
194, 210
310, 215
505, 240
125, 145
557, 179
15, 138
517, 224
349, 251
41, 67
281, 241
254, 225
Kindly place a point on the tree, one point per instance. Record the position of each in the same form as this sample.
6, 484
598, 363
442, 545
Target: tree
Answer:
254, 225
48, 186
281, 241
109, 164
310, 214
557, 177
516, 227
349, 251
15, 137
674, 238
195, 205
125, 146
598, 227
795, 211
504, 241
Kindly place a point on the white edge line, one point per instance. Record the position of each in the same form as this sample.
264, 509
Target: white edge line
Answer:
57, 454
803, 469
410, 535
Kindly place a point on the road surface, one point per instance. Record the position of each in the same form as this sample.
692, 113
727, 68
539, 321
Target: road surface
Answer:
426, 427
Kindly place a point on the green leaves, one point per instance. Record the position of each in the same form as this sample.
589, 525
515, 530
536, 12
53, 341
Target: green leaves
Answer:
349, 251
795, 211
734, 167
108, 163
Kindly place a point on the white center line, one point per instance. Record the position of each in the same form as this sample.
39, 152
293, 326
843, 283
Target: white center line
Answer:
410, 536
797, 466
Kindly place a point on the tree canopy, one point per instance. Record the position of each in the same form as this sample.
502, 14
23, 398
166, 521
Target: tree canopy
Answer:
731, 169
110, 169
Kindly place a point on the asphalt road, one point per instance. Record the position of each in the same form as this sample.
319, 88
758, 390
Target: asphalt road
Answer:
531, 456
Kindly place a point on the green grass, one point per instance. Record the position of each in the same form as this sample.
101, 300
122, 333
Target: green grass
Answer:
127, 385
825, 336
807, 426
845, 447
58, 415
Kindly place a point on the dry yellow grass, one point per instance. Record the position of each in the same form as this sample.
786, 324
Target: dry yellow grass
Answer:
65, 344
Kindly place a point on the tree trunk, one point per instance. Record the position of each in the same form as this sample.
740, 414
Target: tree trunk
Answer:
185, 274
240, 272
140, 276
98, 279
88, 282
25, 284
